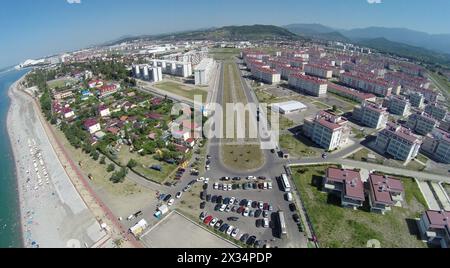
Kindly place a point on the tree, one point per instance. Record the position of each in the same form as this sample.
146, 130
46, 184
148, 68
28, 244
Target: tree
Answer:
103, 160
110, 168
119, 176
335, 108
95, 155
132, 163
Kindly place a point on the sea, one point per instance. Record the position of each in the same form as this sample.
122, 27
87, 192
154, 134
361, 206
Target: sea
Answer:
10, 229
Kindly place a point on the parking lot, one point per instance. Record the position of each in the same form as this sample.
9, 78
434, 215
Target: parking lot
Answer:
175, 231
242, 205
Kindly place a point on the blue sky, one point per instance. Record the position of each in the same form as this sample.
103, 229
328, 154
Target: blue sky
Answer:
35, 28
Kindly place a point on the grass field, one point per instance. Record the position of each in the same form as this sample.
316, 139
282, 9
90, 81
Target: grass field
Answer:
59, 83
339, 227
224, 53
321, 105
144, 162
297, 147
443, 82
181, 90
248, 155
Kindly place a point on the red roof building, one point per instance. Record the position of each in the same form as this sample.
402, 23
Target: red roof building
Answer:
347, 184
384, 192
435, 226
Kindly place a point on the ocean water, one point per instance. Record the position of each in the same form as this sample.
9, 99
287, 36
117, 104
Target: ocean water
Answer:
10, 231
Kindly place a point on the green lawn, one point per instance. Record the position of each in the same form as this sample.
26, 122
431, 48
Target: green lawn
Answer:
59, 83
339, 227
422, 158
321, 105
362, 155
297, 147
184, 91
443, 82
144, 162
358, 133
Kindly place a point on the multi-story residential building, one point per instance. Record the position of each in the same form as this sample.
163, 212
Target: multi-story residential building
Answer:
437, 111
430, 95
266, 75
147, 72
384, 192
437, 145
434, 225
398, 105
416, 99
347, 184
286, 71
108, 90
63, 95
399, 142
319, 70
328, 130
176, 68
421, 123
367, 83
371, 115
308, 84
350, 93
203, 71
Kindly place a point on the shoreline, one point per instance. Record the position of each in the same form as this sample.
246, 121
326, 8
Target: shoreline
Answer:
14, 157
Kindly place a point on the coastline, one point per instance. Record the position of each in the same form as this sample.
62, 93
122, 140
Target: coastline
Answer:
14, 157
52, 213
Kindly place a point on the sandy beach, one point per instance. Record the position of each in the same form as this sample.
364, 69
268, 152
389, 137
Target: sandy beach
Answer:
53, 215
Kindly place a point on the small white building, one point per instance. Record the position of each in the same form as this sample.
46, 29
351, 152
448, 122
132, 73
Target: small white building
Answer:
203, 72
288, 107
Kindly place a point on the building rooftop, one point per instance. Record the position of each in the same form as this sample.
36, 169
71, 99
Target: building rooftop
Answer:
401, 132
438, 219
382, 187
353, 186
308, 78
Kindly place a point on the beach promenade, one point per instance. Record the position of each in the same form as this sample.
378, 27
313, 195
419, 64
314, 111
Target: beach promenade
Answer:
58, 208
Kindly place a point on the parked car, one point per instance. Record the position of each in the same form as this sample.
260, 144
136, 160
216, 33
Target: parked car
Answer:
224, 227
229, 187
167, 198
208, 197
230, 229
233, 219
208, 220
179, 194
266, 223
213, 222
249, 203
292, 207
251, 240
228, 208
258, 213
262, 178
203, 216
246, 212
270, 208
216, 186
251, 213
260, 205
240, 210
269, 186
289, 197
217, 207
259, 223
244, 186
244, 238
219, 199
171, 202
202, 205
255, 185
218, 224
258, 244
222, 208
235, 232
226, 200
265, 213
232, 199
205, 186
254, 204
203, 195
296, 218
214, 199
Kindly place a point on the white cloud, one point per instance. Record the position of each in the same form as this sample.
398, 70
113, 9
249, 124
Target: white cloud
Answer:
74, 1
374, 1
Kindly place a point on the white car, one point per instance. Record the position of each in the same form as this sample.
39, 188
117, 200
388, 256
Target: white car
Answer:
249, 203
269, 186
206, 180
246, 212
179, 194
261, 205
232, 200
229, 187
171, 201
222, 208
251, 178
289, 197
235, 233
200, 179
230, 230
228, 209
208, 167
216, 186
213, 222
265, 186
266, 223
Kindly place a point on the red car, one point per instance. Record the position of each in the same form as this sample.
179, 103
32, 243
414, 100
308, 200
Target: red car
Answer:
240, 210
266, 206
208, 220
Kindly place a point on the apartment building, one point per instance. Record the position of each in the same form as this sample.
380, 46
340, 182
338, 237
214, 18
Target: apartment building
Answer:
398, 142
328, 130
421, 123
319, 70
437, 145
398, 105
308, 84
416, 99
350, 93
147, 72
434, 225
384, 192
266, 75
366, 83
371, 115
437, 111
203, 72
286, 71
176, 68
347, 184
